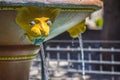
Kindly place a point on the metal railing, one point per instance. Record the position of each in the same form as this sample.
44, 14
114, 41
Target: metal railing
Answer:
64, 58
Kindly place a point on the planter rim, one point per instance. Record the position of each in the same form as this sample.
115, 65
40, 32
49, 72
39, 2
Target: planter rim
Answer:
95, 4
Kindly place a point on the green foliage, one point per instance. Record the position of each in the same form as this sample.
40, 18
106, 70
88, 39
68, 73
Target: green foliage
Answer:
99, 22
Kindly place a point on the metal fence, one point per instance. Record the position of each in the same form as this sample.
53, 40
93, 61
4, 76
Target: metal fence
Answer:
64, 61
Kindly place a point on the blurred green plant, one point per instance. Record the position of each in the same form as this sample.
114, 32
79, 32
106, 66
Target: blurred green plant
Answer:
99, 22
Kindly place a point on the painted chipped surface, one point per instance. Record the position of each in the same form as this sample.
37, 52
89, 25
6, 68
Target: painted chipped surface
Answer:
72, 13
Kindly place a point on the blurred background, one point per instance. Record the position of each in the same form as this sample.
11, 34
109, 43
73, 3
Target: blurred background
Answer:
64, 58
